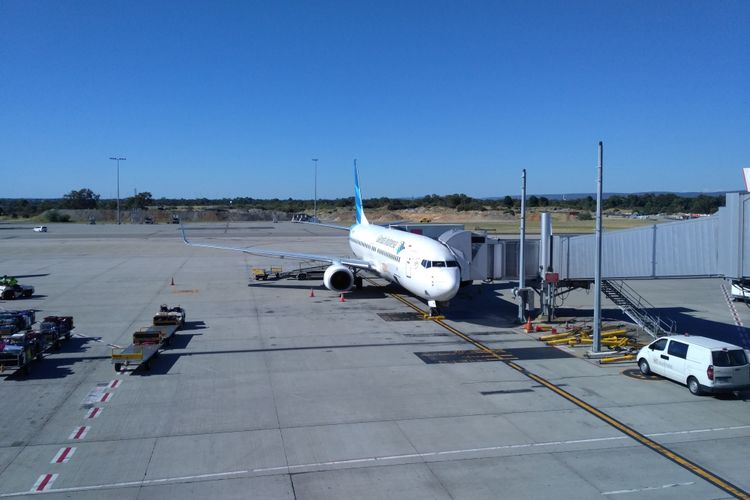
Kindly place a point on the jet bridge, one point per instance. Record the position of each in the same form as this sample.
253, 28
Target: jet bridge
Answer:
480, 257
484, 258
714, 246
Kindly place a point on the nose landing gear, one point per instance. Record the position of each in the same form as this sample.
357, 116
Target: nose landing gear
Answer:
434, 311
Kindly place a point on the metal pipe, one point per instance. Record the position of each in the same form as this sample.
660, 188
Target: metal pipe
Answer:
545, 245
117, 159
521, 263
596, 347
315, 203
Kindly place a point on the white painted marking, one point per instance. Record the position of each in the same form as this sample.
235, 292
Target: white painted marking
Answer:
44, 483
63, 456
106, 397
698, 431
432, 454
94, 412
114, 384
648, 488
79, 432
95, 395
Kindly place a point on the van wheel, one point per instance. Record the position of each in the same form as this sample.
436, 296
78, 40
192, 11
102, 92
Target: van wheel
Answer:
694, 387
643, 366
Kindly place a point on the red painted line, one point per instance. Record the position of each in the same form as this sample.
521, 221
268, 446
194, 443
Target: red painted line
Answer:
94, 412
105, 397
79, 433
44, 482
63, 456
114, 383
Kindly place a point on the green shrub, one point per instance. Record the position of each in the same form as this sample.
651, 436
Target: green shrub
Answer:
55, 216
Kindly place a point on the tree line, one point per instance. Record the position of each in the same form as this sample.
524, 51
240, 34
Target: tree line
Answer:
644, 204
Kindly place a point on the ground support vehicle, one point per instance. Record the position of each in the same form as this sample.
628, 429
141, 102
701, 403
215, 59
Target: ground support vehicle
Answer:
740, 290
170, 316
18, 350
20, 344
703, 364
10, 291
301, 273
55, 328
261, 274
147, 341
15, 321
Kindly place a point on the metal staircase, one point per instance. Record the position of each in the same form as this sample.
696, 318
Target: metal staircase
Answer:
636, 308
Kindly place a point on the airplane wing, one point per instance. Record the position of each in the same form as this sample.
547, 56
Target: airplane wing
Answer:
332, 226
347, 261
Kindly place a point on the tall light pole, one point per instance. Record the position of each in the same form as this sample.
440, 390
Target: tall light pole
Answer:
117, 159
315, 202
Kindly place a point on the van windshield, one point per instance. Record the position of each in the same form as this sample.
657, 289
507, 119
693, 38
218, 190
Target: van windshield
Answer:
735, 357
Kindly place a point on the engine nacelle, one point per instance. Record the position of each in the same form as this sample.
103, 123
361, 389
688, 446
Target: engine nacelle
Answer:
338, 278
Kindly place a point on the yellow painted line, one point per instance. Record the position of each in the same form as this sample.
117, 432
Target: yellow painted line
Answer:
629, 431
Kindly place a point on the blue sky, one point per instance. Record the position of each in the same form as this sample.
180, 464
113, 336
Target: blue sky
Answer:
225, 99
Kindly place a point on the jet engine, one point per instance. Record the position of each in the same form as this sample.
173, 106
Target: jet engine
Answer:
338, 278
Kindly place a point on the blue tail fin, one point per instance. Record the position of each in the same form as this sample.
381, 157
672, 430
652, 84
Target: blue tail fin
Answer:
360, 214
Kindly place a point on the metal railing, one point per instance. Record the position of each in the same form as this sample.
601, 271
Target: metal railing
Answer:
636, 308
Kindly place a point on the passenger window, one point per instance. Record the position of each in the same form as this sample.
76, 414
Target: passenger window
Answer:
677, 349
735, 357
659, 345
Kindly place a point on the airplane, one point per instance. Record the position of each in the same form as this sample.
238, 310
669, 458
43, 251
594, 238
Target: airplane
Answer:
425, 267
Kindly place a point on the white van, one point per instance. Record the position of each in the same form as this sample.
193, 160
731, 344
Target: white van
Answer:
703, 364
740, 290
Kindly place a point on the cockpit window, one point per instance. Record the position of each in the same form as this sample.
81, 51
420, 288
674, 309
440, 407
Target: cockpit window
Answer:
438, 263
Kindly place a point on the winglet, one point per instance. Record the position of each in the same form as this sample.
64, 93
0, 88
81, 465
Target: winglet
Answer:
746, 175
359, 212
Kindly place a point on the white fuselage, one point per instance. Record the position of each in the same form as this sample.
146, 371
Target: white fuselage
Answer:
423, 266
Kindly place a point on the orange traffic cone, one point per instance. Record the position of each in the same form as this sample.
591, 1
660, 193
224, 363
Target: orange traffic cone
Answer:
341, 297
172, 283
528, 327
312, 293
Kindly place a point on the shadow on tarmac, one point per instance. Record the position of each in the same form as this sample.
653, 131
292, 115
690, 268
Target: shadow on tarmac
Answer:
165, 359
192, 325
58, 364
485, 304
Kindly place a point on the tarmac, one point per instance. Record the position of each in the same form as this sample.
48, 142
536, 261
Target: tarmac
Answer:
269, 392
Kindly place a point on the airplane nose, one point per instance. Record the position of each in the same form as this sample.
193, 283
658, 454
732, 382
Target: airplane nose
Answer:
446, 287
